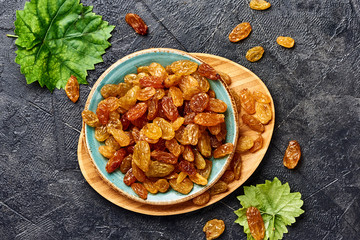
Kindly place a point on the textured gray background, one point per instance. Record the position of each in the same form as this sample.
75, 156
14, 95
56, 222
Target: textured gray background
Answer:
316, 91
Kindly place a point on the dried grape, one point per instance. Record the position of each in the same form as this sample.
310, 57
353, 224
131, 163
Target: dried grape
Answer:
216, 105
223, 150
129, 177
240, 32
109, 90
287, 42
189, 86
199, 160
184, 187
255, 223
140, 190
164, 157
198, 179
225, 77
115, 161
184, 67
259, 4
199, 102
178, 123
106, 151
263, 112
209, 119
120, 136
152, 130
101, 133
72, 89
235, 165
177, 96
173, 146
151, 81
254, 54
159, 169
162, 185
204, 145
126, 164
202, 199
253, 123
247, 101
188, 154
207, 170
244, 143
145, 93
228, 176
169, 108
214, 228
156, 70
168, 132
141, 155
261, 97
136, 22
90, 118
207, 71
218, 188
292, 155
150, 186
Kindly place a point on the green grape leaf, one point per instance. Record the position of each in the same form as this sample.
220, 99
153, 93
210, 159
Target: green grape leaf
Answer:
57, 39
278, 207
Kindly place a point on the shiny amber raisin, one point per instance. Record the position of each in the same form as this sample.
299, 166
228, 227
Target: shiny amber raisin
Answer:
225, 77
207, 71
292, 155
159, 169
209, 119
240, 32
218, 188
129, 177
184, 187
184, 67
177, 96
216, 105
140, 190
152, 130
162, 185
169, 108
228, 176
235, 165
287, 42
145, 93
244, 143
72, 89
156, 70
136, 22
188, 154
202, 199
151, 81
115, 161
101, 133
106, 151
247, 101
164, 157
259, 4
261, 97
141, 155
90, 118
199, 102
223, 150
254, 54
255, 223
263, 112
173, 146
138, 173
214, 228
253, 123
204, 145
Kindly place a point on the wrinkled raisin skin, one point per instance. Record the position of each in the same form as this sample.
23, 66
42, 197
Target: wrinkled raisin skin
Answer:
72, 89
292, 155
136, 22
240, 32
256, 223
207, 71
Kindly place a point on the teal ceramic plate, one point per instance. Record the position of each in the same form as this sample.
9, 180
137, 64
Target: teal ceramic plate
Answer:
115, 74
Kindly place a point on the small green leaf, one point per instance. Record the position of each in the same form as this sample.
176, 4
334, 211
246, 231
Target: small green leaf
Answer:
277, 205
57, 39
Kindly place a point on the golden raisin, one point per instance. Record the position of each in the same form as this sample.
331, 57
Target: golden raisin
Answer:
202, 199
247, 101
292, 155
287, 42
259, 4
263, 112
244, 143
254, 54
214, 228
258, 143
223, 150
256, 223
240, 32
72, 89
140, 190
136, 22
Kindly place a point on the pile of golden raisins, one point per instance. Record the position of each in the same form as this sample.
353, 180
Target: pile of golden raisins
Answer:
161, 126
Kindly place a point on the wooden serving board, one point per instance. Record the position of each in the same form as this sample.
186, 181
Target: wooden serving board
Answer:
241, 78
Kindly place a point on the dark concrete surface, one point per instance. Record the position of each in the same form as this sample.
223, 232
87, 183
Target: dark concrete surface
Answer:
316, 91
